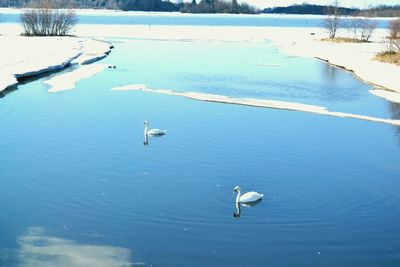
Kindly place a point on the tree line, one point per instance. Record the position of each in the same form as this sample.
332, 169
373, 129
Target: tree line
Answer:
199, 6
308, 9
218, 6
377, 11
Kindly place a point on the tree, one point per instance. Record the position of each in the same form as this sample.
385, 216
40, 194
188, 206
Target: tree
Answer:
219, 6
362, 28
394, 35
368, 26
332, 21
47, 19
235, 6
149, 5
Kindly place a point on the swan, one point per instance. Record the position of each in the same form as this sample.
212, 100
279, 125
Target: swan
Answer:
247, 197
154, 132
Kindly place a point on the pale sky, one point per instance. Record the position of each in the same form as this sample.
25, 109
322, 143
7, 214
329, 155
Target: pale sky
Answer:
346, 3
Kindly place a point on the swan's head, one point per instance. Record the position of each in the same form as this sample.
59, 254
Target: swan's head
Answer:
236, 189
146, 122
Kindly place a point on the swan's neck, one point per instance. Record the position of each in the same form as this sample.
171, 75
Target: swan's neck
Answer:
145, 129
238, 197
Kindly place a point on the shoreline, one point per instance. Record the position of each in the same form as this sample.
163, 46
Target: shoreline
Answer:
357, 58
302, 42
44, 56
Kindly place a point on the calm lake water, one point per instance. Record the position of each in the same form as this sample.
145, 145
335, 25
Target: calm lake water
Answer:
140, 18
79, 188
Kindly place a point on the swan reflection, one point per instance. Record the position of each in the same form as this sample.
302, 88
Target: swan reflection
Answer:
236, 213
39, 249
238, 206
146, 138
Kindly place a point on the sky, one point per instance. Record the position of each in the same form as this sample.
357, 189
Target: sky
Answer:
346, 3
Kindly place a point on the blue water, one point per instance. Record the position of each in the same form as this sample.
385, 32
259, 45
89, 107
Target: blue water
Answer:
79, 186
132, 18
244, 70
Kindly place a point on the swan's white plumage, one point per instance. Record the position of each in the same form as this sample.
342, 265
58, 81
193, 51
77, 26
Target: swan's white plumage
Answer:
247, 197
152, 131
156, 132
250, 197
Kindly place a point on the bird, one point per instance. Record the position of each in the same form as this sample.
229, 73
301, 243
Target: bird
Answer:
152, 132
247, 197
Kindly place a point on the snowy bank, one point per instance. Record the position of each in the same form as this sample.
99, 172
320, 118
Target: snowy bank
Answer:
31, 56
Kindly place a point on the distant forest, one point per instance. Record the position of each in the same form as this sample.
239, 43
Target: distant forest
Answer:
308, 9
199, 6
381, 11
209, 6
378, 11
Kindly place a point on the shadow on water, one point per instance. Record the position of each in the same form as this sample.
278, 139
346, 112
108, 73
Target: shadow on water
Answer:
238, 211
33, 78
8, 90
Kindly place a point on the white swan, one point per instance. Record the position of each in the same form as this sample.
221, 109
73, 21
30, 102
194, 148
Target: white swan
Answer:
154, 132
247, 197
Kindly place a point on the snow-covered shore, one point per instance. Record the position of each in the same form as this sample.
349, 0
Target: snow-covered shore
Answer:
304, 42
30, 56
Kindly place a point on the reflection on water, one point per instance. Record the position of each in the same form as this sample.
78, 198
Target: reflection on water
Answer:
395, 110
329, 73
38, 249
8, 91
146, 140
29, 79
238, 211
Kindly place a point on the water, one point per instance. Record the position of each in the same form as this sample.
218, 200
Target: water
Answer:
244, 70
140, 18
79, 188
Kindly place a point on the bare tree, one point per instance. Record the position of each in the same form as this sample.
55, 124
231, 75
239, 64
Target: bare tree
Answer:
47, 19
368, 26
363, 28
332, 21
394, 35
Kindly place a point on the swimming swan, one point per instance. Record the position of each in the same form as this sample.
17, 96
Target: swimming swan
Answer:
154, 132
247, 197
